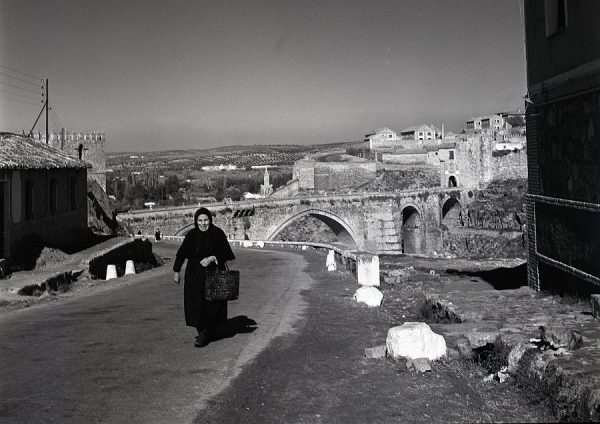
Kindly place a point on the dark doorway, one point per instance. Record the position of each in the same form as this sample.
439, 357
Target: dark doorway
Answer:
452, 181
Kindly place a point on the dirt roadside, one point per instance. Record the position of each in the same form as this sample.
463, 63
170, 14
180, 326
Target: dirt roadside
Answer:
320, 374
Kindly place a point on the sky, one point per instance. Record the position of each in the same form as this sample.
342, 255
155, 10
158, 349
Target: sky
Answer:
160, 75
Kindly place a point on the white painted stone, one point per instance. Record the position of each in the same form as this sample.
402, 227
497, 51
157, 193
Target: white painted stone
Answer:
304, 247
111, 272
330, 262
260, 244
368, 295
129, 267
247, 243
415, 340
367, 270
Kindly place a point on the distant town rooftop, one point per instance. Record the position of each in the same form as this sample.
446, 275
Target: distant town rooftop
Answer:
21, 152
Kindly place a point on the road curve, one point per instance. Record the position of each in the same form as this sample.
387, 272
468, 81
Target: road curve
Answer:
125, 355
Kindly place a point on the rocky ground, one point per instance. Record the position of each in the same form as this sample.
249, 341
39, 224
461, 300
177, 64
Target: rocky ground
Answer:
320, 372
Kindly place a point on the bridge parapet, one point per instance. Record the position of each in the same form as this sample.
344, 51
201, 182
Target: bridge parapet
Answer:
383, 222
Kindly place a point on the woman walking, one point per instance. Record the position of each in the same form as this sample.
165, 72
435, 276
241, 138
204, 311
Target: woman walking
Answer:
206, 248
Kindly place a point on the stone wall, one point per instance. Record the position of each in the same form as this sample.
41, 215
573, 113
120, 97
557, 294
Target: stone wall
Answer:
304, 173
340, 175
289, 190
88, 146
329, 176
483, 243
405, 158
511, 165
63, 227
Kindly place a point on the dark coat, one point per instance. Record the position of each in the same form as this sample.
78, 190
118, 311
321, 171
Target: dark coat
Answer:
198, 245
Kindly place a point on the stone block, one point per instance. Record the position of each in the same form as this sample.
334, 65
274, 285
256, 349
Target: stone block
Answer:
515, 356
375, 352
418, 365
367, 270
414, 340
369, 296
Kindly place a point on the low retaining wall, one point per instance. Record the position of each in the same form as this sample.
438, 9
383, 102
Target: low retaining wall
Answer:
137, 250
364, 265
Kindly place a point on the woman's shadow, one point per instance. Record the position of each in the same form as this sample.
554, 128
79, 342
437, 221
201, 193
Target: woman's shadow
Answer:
233, 326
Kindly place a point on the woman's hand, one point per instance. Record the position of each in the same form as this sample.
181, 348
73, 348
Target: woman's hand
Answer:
176, 277
207, 261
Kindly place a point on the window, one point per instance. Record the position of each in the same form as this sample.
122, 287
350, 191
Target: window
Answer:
28, 199
451, 154
556, 16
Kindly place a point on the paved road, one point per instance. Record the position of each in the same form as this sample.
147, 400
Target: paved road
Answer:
125, 355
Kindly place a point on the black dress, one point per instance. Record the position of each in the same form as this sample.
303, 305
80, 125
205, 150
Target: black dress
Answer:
198, 245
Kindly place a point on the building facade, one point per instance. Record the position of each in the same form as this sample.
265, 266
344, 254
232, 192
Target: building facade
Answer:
43, 192
563, 143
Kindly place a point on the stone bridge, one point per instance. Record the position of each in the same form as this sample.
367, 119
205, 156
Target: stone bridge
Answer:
382, 223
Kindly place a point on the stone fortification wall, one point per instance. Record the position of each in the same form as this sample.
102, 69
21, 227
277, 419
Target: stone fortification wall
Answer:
329, 176
405, 158
304, 173
289, 190
509, 166
340, 175
474, 160
88, 146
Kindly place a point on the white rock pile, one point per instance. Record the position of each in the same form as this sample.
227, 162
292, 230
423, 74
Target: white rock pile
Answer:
369, 295
414, 340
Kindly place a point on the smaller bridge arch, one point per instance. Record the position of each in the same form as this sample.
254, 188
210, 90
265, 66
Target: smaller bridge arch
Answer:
451, 212
413, 230
342, 230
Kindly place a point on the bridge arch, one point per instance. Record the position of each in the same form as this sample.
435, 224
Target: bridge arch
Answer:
413, 230
342, 230
184, 230
451, 212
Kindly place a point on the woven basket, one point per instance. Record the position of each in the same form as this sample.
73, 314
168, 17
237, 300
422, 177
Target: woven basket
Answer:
222, 286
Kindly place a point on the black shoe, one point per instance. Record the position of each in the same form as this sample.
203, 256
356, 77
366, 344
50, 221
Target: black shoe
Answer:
201, 340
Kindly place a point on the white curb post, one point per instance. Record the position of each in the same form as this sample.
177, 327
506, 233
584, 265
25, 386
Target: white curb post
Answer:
111, 272
129, 267
367, 270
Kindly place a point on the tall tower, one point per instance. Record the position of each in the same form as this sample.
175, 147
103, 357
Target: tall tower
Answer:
266, 188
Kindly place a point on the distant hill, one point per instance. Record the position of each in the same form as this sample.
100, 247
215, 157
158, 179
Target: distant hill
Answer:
241, 156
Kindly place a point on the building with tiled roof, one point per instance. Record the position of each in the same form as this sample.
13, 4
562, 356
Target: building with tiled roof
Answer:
43, 197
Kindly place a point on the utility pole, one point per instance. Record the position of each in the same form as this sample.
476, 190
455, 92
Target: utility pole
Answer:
47, 105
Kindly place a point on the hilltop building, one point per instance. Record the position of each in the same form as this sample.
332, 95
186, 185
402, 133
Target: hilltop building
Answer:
43, 193
563, 139
87, 146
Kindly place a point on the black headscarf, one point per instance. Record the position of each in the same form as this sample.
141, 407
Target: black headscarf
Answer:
202, 211
213, 239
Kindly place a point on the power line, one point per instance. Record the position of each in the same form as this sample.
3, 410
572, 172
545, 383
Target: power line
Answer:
21, 95
56, 117
37, 79
21, 79
20, 88
6, 97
